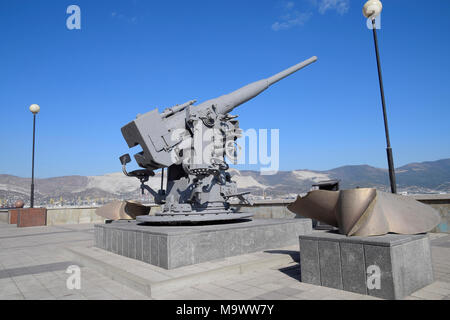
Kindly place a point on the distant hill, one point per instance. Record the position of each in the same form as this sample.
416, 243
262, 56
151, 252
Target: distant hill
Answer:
431, 174
424, 177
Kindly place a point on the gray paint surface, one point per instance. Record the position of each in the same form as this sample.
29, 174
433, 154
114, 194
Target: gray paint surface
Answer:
197, 188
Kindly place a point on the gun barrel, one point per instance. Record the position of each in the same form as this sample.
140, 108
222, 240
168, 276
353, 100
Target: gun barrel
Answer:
285, 73
230, 101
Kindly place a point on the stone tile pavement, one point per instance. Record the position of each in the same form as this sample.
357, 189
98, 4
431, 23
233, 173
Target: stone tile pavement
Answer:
33, 262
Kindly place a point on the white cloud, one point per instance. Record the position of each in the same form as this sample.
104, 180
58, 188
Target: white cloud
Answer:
290, 20
340, 6
290, 5
293, 17
125, 18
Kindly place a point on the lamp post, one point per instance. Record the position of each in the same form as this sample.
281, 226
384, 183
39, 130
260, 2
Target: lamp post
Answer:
34, 108
372, 10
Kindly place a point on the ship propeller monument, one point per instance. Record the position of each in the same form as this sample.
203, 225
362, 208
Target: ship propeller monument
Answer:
192, 141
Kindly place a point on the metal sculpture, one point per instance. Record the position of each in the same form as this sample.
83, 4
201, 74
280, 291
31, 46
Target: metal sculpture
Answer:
192, 142
122, 210
367, 212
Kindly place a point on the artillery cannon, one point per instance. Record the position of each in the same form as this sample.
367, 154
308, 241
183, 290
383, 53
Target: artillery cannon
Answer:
192, 142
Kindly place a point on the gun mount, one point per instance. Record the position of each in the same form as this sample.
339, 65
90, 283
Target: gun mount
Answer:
192, 142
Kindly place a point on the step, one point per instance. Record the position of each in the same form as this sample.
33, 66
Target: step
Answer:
152, 280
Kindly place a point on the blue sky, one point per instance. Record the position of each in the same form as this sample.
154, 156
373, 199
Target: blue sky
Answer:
132, 56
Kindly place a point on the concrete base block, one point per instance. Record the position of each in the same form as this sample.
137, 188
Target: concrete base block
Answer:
390, 266
171, 247
28, 217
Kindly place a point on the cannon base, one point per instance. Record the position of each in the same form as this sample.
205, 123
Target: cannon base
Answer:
192, 218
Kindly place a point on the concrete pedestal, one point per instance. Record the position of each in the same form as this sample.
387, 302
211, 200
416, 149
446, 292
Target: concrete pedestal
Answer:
171, 247
28, 217
390, 266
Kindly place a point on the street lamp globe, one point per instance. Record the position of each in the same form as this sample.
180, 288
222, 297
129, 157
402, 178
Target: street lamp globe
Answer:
34, 108
372, 9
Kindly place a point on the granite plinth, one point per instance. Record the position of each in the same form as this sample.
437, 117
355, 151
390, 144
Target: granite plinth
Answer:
171, 247
352, 263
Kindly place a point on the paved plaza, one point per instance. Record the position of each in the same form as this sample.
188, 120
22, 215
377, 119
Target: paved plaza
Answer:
33, 264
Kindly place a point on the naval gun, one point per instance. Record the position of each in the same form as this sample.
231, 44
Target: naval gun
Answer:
192, 141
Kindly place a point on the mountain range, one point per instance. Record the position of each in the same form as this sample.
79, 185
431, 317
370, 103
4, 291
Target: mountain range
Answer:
424, 177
